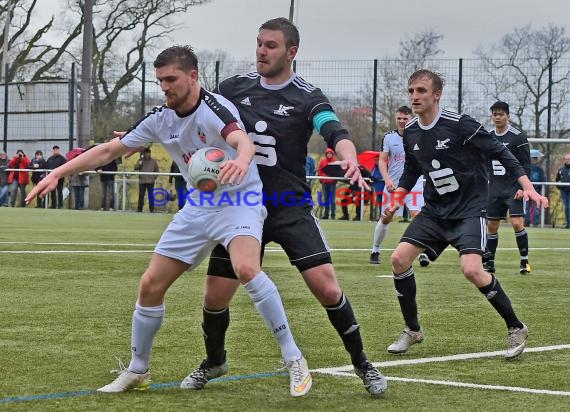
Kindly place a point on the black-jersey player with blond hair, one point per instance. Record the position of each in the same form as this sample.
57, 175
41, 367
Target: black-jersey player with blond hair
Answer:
451, 151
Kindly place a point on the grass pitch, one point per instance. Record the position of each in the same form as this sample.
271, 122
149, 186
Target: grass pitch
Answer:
69, 283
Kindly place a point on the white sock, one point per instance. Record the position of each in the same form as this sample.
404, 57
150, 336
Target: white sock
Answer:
268, 303
379, 234
146, 323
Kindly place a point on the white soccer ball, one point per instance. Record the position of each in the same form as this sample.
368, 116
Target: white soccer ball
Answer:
204, 168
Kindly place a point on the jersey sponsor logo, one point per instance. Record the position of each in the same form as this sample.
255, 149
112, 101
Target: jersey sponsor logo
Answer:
283, 110
201, 135
442, 144
246, 102
498, 168
443, 179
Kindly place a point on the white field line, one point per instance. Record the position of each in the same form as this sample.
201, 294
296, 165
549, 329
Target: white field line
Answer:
461, 356
347, 371
463, 384
51, 252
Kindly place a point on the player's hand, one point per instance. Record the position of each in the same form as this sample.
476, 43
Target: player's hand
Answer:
390, 186
233, 171
519, 194
537, 198
352, 172
389, 211
44, 186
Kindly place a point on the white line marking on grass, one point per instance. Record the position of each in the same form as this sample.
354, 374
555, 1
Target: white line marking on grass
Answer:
461, 356
460, 384
40, 252
77, 244
385, 276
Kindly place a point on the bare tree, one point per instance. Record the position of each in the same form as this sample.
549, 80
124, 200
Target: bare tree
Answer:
517, 70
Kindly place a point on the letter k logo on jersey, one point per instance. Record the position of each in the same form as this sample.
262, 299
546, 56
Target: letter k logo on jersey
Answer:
442, 144
282, 111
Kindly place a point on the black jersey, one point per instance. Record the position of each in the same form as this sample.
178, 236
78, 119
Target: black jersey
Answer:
280, 123
452, 153
503, 183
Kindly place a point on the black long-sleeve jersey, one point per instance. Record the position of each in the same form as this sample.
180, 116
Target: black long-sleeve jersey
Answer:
280, 123
503, 183
452, 153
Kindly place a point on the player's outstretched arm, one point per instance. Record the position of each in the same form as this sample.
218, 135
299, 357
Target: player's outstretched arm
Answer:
97, 156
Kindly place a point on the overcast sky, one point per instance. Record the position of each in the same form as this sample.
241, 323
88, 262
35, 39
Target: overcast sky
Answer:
365, 29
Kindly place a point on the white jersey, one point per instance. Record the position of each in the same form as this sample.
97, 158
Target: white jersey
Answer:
393, 144
182, 135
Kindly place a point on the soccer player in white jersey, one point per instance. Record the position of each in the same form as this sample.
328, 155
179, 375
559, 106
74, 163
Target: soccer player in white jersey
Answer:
280, 111
191, 119
391, 166
451, 151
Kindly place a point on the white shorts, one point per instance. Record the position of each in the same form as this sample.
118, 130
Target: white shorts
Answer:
194, 232
414, 200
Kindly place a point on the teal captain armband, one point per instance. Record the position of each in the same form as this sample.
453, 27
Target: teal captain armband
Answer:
323, 117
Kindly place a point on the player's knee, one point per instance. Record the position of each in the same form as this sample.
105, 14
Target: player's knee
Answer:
246, 269
400, 261
151, 290
471, 273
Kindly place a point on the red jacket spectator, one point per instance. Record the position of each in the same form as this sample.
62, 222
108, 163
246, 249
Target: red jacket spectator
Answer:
20, 161
329, 158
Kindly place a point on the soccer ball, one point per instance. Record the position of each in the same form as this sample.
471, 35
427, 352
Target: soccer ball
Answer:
204, 168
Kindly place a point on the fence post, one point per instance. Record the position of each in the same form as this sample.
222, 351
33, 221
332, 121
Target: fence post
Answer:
549, 120
460, 87
71, 106
374, 103
124, 178
6, 109
217, 73
143, 89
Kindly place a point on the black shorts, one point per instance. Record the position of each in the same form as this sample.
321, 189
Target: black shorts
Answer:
467, 235
295, 229
498, 207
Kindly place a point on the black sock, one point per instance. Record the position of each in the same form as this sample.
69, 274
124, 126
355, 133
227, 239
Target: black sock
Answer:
492, 243
214, 327
342, 318
405, 284
522, 243
500, 301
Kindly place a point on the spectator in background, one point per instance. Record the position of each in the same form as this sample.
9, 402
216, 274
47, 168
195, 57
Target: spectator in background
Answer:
54, 161
18, 179
329, 186
532, 213
37, 165
3, 179
108, 184
563, 176
310, 170
146, 182
179, 184
377, 189
79, 182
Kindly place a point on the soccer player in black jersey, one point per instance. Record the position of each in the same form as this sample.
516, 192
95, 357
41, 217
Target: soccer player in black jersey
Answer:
280, 110
451, 151
505, 193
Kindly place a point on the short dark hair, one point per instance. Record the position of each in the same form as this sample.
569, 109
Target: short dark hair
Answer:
500, 106
290, 32
55, 147
404, 109
39, 152
182, 57
437, 79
